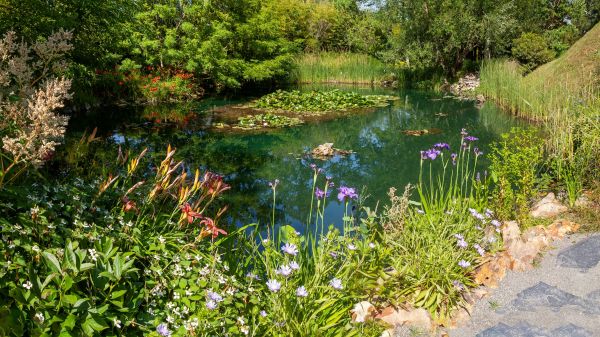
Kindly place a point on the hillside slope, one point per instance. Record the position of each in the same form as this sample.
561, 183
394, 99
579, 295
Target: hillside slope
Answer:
576, 70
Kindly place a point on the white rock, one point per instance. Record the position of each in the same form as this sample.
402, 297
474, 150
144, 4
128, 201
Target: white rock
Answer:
548, 207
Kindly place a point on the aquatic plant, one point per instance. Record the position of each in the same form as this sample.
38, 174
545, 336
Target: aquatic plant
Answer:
267, 120
318, 101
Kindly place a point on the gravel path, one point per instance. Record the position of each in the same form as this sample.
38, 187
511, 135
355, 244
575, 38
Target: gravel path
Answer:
560, 297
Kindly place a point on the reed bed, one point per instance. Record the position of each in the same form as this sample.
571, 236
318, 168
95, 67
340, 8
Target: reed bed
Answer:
348, 68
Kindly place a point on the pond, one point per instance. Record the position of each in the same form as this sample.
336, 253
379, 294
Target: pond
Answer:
383, 156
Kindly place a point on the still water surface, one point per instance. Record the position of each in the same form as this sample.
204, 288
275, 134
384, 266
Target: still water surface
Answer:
382, 155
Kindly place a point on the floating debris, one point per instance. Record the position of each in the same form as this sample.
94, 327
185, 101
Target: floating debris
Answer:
432, 131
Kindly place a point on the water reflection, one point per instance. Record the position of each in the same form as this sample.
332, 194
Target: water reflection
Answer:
383, 156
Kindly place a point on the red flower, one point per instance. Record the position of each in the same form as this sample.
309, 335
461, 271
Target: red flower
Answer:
153, 89
128, 205
212, 228
120, 83
186, 209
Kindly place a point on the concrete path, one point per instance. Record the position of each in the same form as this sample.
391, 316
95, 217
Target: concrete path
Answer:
560, 297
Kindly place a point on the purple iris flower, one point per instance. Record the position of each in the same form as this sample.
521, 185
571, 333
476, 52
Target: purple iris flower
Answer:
319, 193
471, 138
346, 193
442, 146
430, 154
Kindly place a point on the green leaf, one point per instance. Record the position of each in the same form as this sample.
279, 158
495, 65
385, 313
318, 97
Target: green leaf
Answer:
52, 262
118, 293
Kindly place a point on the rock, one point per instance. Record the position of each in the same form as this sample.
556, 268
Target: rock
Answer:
548, 207
583, 202
465, 84
325, 151
362, 311
417, 318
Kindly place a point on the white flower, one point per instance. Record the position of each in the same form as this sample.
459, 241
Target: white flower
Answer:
240, 320
290, 248
263, 313
93, 254
371, 245
35, 249
284, 270
273, 285
336, 283
27, 285
301, 292
294, 265
39, 317
245, 330
161, 239
351, 247
117, 323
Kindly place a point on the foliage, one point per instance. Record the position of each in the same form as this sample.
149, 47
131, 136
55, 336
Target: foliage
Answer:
532, 50
318, 101
444, 236
30, 94
267, 120
515, 161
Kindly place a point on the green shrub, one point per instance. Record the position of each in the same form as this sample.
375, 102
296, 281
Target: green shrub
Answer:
532, 50
515, 160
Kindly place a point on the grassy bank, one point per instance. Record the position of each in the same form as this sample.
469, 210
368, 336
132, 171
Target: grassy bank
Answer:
563, 95
338, 68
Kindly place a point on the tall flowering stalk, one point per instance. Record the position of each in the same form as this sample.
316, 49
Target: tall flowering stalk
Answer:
30, 94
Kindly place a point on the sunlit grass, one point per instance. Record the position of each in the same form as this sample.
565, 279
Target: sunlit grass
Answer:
338, 68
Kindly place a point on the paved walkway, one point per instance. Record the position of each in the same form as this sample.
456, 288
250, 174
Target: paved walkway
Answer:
558, 298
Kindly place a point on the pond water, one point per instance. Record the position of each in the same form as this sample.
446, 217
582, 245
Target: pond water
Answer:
382, 155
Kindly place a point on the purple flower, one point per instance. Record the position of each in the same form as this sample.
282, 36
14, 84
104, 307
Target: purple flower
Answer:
211, 305
273, 285
214, 296
462, 243
471, 138
459, 236
320, 194
294, 265
263, 313
430, 154
163, 330
464, 264
488, 212
346, 193
333, 254
284, 271
442, 146
476, 214
301, 292
463, 132
351, 246
313, 166
336, 283
290, 248
496, 223
458, 285
454, 156
479, 249
477, 151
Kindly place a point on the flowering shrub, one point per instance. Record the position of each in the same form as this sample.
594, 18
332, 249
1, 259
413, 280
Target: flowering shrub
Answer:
149, 85
30, 94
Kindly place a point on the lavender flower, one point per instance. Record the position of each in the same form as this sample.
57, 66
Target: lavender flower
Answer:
294, 265
471, 138
211, 305
488, 212
301, 292
319, 194
479, 249
462, 243
163, 330
442, 146
464, 264
333, 254
263, 313
430, 154
458, 285
476, 214
273, 285
336, 283
351, 246
459, 236
214, 296
290, 248
454, 156
346, 193
284, 271
496, 223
